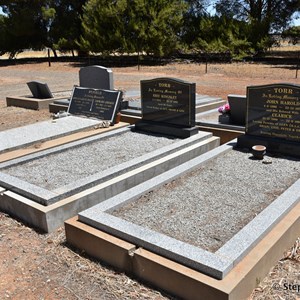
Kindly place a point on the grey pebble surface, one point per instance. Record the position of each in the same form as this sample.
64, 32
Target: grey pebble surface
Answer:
59, 169
208, 206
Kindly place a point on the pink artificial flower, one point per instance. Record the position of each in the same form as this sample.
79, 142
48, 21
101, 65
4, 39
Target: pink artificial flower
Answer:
224, 108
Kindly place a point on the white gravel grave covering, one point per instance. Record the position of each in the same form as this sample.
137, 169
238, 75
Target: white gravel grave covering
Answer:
208, 206
59, 169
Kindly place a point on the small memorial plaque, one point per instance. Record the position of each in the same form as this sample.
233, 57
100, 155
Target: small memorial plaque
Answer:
168, 101
95, 103
273, 111
39, 90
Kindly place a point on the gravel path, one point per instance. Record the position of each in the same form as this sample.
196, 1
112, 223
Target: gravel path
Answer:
60, 169
210, 205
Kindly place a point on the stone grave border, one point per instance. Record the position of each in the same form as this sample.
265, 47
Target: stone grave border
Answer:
230, 272
28, 135
173, 277
216, 264
33, 103
28, 202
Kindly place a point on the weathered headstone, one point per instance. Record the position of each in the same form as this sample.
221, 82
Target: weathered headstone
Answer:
96, 77
95, 103
39, 90
168, 107
273, 118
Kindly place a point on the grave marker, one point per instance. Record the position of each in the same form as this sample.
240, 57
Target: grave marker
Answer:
168, 107
39, 90
237, 105
273, 118
95, 103
96, 77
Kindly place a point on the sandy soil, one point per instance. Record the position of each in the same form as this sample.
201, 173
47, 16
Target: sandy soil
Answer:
42, 266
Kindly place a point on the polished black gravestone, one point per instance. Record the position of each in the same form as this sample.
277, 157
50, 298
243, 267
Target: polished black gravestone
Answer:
273, 118
168, 107
237, 105
39, 90
95, 103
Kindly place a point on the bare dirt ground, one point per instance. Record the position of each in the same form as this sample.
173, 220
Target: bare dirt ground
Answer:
42, 266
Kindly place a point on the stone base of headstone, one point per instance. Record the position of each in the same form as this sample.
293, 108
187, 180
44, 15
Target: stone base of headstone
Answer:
273, 145
162, 128
224, 119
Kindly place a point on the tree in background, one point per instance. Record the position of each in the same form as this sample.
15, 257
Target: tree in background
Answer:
132, 26
193, 17
263, 17
24, 25
3, 35
292, 34
66, 26
204, 33
36, 24
222, 35
155, 27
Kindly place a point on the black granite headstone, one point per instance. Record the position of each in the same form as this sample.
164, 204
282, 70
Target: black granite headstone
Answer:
168, 100
168, 104
237, 105
39, 90
273, 118
95, 103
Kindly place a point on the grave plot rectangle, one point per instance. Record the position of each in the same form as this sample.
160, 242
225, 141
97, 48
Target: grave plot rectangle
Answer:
169, 101
95, 103
180, 215
90, 162
47, 187
274, 111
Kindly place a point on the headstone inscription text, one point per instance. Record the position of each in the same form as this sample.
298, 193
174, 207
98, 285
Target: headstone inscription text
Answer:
168, 100
95, 103
274, 111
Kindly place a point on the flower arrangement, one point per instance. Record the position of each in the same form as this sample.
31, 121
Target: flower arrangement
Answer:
224, 109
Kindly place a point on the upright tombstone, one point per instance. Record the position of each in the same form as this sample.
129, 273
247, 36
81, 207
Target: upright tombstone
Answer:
95, 103
273, 118
168, 107
96, 77
39, 90
237, 105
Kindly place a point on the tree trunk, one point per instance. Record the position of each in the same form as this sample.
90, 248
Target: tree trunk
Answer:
54, 53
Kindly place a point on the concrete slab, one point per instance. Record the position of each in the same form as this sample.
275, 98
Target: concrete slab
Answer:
20, 201
216, 264
46, 194
39, 132
30, 102
173, 277
43, 145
